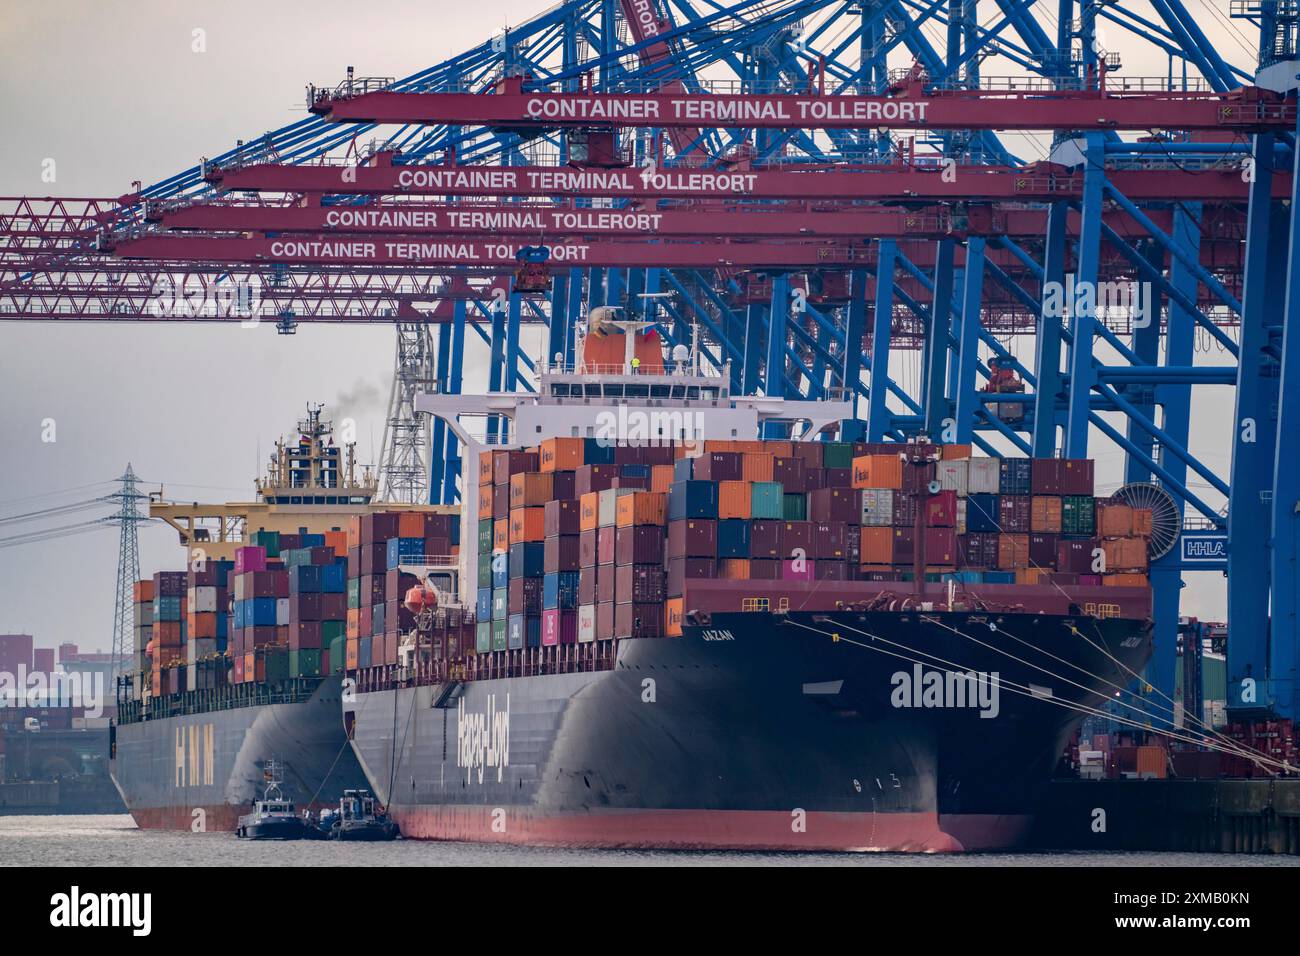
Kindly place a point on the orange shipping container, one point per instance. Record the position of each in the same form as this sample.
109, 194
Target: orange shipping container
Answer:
527, 524
1142, 521
661, 478
1125, 581
1114, 521
354, 531
501, 535
485, 468
877, 546
1151, 762
1045, 514
562, 454
673, 617
734, 569
1013, 551
589, 511
484, 502
338, 541
410, 524
878, 471
1033, 576
1125, 554
641, 507
955, 452
353, 651
530, 489
143, 591
733, 499
202, 624
354, 623
757, 466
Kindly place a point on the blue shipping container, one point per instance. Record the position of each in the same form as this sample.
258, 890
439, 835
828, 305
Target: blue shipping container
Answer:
692, 499
334, 577
483, 609
528, 559
560, 590
982, 513
263, 612
304, 579
733, 538
523, 631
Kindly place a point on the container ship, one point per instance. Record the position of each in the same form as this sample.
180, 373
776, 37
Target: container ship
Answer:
239, 658
667, 632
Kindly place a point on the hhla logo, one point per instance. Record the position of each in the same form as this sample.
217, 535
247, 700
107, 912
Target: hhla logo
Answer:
483, 740
954, 689
75, 909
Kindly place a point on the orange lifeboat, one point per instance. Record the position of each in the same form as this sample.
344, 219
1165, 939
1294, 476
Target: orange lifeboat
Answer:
421, 597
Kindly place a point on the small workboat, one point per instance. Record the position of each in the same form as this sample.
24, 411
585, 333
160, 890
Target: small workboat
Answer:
274, 817
359, 817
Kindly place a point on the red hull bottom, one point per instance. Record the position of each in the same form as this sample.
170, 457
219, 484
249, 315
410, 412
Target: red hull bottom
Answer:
219, 818
714, 829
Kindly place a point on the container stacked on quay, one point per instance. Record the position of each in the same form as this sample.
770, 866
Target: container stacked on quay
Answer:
682, 638
239, 658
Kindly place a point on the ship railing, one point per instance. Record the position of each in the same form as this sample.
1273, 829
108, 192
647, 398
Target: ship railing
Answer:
496, 665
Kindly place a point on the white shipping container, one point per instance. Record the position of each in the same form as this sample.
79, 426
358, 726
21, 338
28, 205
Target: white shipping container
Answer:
239, 587
586, 623
877, 507
983, 475
961, 515
607, 514
281, 611
953, 476
203, 598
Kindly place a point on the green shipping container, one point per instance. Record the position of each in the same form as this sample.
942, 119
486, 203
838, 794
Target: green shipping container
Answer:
794, 508
269, 540
485, 536
500, 605
766, 500
483, 637
338, 653
354, 592
484, 572
277, 665
305, 662
836, 454
331, 631
1078, 514
500, 635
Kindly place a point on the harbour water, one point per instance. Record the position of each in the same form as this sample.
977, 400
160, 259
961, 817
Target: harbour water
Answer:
113, 841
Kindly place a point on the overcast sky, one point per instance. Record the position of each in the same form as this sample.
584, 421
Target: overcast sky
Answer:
113, 92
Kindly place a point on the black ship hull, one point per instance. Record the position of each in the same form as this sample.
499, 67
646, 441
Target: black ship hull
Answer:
801, 731
201, 771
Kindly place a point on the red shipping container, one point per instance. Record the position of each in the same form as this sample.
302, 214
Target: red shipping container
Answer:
304, 634
829, 541
682, 570
587, 585
561, 552
764, 569
765, 539
643, 544
917, 478
605, 540
562, 517
904, 547
507, 464
796, 536
604, 622
791, 473
605, 583
1045, 477
1043, 550
591, 478
559, 626
941, 510
524, 596
835, 478
809, 452
830, 570
719, 466
1014, 514
693, 538
835, 504
639, 583
798, 570
940, 547
587, 548
636, 620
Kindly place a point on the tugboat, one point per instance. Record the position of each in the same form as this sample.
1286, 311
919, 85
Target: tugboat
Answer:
360, 818
274, 817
